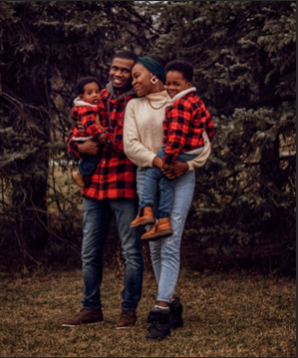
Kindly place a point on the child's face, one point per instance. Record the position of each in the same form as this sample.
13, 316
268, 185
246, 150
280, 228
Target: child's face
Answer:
175, 83
91, 93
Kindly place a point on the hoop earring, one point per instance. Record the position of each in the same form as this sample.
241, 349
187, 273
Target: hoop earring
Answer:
154, 80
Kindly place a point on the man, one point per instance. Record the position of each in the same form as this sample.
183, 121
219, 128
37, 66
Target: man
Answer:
111, 192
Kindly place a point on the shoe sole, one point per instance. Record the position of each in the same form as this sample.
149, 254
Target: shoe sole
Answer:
143, 223
122, 328
78, 325
127, 327
157, 236
157, 338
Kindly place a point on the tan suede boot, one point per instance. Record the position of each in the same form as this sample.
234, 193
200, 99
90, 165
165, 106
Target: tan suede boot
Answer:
144, 217
160, 229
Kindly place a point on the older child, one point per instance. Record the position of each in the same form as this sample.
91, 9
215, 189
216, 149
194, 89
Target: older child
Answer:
186, 120
85, 110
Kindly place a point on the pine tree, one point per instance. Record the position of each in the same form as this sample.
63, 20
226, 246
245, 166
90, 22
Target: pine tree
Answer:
45, 48
244, 54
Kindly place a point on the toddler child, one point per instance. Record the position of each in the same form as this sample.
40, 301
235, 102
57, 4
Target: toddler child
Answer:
186, 119
85, 110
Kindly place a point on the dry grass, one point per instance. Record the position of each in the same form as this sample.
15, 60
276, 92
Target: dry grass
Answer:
225, 316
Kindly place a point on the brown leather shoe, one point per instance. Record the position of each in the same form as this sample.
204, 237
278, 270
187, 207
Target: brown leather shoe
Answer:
78, 178
84, 317
144, 217
160, 229
127, 319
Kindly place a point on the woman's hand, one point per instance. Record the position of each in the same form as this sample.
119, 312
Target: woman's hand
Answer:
157, 162
90, 147
177, 170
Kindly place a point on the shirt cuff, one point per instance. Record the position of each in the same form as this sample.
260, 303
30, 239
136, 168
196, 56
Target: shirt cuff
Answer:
191, 166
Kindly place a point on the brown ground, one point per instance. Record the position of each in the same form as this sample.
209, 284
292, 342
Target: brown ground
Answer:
226, 315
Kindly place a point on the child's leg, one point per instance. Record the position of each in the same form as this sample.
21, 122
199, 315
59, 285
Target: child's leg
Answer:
166, 189
153, 176
89, 164
166, 197
86, 168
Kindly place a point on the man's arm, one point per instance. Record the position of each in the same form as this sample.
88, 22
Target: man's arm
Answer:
90, 147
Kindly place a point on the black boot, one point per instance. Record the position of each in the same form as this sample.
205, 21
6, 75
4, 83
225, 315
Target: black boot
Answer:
160, 326
176, 319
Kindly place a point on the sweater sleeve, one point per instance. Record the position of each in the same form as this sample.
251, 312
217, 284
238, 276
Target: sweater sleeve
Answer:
133, 148
201, 159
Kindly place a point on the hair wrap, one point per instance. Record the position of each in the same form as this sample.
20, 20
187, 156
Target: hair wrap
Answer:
153, 67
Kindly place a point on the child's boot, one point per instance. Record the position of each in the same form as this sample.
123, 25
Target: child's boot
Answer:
78, 178
160, 229
144, 217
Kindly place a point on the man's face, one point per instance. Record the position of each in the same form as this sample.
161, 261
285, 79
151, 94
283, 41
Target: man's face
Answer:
120, 73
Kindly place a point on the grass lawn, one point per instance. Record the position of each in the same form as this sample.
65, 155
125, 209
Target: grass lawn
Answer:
226, 315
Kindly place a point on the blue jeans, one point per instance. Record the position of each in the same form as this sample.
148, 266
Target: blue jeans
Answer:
165, 253
88, 164
96, 222
155, 179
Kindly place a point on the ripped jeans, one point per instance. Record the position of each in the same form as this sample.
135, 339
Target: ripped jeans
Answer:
165, 253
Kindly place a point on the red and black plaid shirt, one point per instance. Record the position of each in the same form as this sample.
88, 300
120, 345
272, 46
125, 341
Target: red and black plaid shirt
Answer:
185, 121
86, 115
114, 176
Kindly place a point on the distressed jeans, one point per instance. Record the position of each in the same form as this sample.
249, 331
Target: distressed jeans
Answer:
96, 222
165, 253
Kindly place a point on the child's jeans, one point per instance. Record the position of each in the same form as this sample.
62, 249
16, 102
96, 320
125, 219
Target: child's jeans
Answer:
154, 179
89, 164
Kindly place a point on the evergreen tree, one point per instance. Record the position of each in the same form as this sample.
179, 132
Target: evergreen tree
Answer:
244, 54
46, 46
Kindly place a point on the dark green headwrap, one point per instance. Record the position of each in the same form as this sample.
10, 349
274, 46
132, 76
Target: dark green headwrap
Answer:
154, 67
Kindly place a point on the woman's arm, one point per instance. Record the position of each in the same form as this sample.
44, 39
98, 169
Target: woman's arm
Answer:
133, 148
180, 168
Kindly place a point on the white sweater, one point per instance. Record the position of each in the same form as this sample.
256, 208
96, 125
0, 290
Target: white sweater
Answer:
143, 131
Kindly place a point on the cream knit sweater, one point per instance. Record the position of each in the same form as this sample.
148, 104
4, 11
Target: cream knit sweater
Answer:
143, 131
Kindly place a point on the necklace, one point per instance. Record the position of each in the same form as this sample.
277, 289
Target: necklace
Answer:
157, 107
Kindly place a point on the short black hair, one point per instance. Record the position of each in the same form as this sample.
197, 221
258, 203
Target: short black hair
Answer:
181, 66
83, 82
126, 55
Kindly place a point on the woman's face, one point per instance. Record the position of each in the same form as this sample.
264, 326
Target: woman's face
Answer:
141, 80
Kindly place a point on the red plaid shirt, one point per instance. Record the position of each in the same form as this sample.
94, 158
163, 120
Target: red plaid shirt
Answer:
185, 121
86, 115
114, 176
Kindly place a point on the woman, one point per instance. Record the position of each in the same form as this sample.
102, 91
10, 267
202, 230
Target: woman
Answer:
142, 137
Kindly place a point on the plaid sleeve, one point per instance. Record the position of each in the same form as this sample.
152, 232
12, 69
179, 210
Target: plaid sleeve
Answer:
178, 117
209, 125
87, 116
73, 145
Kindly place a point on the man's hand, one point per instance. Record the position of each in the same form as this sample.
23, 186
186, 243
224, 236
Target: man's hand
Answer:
91, 147
102, 139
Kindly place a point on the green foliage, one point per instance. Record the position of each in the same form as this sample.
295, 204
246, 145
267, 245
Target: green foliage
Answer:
45, 48
244, 54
